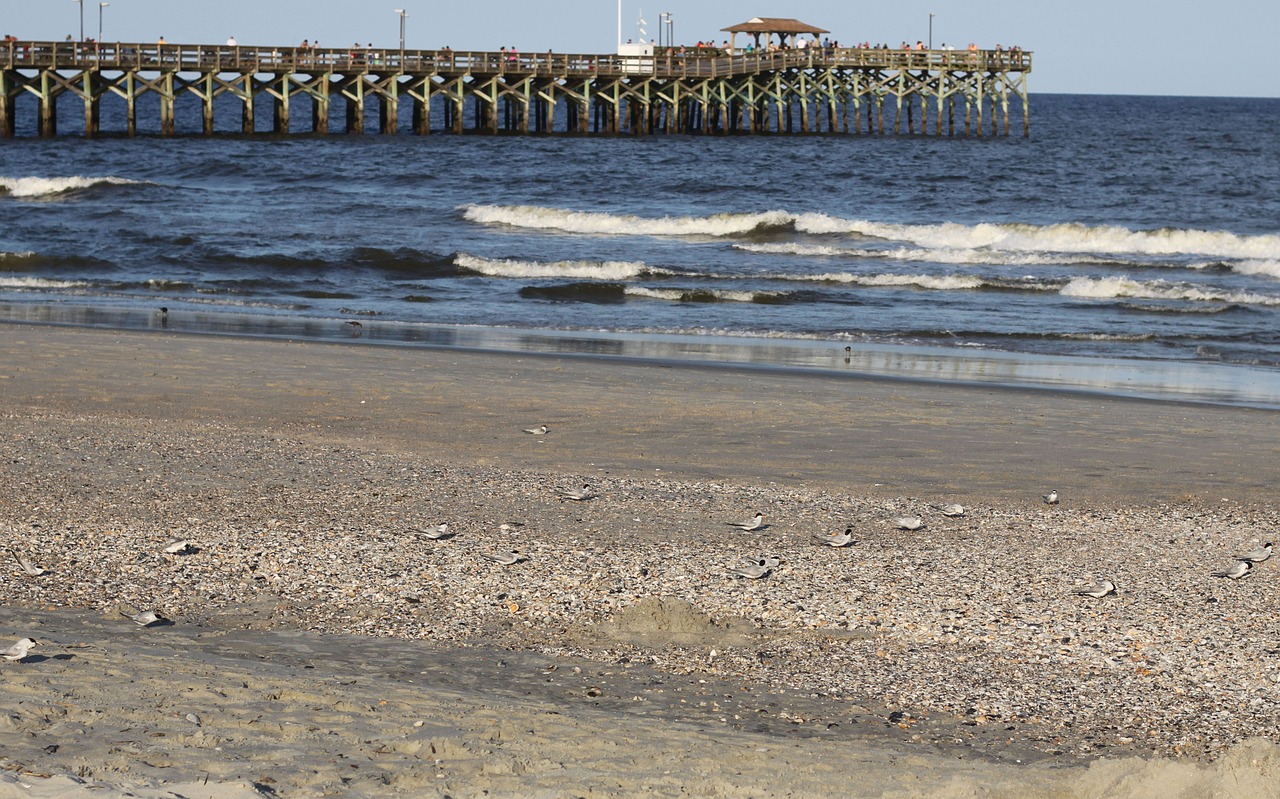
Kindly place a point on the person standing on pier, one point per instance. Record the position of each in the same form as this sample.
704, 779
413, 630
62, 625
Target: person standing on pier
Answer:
231, 41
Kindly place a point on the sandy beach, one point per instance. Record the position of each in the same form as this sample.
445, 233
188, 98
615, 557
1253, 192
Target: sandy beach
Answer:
315, 644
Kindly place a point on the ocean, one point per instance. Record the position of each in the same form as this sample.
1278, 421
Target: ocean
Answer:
1130, 246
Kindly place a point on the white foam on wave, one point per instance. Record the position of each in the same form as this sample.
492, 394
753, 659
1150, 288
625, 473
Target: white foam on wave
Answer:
45, 187
1257, 267
704, 295
589, 270
946, 255
1063, 238
16, 255
39, 283
936, 282
1116, 287
542, 218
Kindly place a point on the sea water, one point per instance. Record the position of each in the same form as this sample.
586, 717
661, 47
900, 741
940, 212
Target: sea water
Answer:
1130, 244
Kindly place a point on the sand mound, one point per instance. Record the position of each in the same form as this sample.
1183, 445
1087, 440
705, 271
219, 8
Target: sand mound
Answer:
656, 622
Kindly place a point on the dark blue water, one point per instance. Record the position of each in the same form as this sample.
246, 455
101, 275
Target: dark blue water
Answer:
1139, 230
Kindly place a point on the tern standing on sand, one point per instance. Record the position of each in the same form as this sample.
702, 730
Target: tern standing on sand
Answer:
1237, 570
1098, 590
19, 650
1258, 555
755, 524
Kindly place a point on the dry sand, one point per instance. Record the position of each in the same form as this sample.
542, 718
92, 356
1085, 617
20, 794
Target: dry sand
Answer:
282, 710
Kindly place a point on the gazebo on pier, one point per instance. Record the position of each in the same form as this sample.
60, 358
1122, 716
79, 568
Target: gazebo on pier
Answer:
785, 29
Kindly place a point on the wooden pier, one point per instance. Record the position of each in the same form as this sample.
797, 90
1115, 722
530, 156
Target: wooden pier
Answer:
814, 90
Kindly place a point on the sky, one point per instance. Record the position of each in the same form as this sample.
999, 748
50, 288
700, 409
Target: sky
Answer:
1175, 47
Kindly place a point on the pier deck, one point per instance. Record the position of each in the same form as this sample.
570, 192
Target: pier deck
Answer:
792, 91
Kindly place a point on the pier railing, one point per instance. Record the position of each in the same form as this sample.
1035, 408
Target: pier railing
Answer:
671, 64
677, 90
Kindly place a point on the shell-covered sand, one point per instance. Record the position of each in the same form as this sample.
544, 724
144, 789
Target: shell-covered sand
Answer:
323, 646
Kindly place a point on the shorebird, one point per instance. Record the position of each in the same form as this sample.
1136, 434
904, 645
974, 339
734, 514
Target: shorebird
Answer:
577, 495
180, 546
144, 619
952, 510
1098, 590
1258, 555
437, 534
1238, 569
909, 522
838, 539
19, 650
755, 524
540, 430
505, 557
28, 568
754, 569
1051, 498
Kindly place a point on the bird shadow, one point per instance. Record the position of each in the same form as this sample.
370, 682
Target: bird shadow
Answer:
46, 658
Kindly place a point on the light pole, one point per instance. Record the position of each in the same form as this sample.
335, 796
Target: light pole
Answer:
930, 30
402, 14
100, 7
81, 2
671, 30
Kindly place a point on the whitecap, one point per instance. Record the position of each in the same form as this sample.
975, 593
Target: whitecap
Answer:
590, 270
38, 283
1115, 287
595, 222
44, 187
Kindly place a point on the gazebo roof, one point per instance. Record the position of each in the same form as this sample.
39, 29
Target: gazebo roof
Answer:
774, 25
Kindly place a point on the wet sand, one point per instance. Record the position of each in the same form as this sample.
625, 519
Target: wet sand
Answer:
865, 435
420, 673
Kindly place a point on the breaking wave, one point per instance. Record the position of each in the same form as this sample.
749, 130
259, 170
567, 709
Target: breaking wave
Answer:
946, 255
590, 270
1065, 238
594, 222
29, 187
1123, 287
38, 283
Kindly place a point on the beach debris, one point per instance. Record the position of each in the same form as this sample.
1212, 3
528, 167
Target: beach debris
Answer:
1051, 498
1240, 568
28, 568
440, 532
755, 524
1098, 590
838, 539
908, 522
145, 618
180, 546
1258, 555
19, 650
505, 557
755, 568
579, 494
952, 510
540, 430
